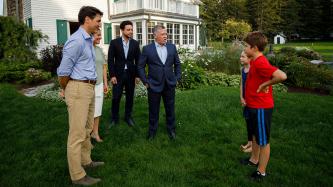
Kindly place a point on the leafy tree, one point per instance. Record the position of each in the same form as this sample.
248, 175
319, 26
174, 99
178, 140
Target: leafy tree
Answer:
18, 41
290, 19
264, 15
235, 29
216, 12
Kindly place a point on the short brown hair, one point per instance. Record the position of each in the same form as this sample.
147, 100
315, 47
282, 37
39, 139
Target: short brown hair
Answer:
89, 11
124, 23
256, 38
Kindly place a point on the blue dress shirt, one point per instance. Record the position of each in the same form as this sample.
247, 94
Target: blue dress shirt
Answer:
126, 47
162, 52
78, 60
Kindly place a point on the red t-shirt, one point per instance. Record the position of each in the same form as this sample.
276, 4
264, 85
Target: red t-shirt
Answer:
260, 71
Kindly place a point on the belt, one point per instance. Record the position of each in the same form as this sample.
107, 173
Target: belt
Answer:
93, 82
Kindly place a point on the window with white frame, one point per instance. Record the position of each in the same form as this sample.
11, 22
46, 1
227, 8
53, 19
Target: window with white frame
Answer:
150, 32
185, 34
170, 32
191, 34
139, 32
176, 34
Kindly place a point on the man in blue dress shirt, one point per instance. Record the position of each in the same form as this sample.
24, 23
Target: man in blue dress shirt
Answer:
77, 77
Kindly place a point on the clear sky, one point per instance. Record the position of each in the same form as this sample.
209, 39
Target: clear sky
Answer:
1, 7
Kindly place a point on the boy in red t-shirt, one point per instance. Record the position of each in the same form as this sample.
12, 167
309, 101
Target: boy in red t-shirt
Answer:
259, 100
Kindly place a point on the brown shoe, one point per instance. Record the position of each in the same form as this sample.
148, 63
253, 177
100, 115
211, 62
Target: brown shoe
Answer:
93, 165
87, 181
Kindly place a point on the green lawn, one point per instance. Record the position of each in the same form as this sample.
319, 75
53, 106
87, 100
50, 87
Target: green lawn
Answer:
210, 129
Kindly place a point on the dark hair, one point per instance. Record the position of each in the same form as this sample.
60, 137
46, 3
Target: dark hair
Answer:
258, 39
89, 11
124, 23
157, 27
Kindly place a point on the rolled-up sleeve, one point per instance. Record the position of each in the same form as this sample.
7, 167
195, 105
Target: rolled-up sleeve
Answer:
70, 55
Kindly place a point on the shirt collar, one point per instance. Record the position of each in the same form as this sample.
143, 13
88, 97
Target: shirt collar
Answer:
85, 34
123, 39
158, 45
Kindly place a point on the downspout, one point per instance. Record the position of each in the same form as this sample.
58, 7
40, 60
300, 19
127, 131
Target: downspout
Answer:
109, 16
17, 10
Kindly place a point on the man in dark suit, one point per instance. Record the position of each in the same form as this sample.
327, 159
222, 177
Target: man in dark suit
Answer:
124, 53
163, 73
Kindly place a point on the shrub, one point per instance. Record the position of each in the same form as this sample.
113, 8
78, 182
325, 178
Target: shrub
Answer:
50, 94
217, 79
18, 41
192, 75
140, 90
33, 75
307, 53
226, 61
51, 58
288, 50
222, 79
11, 72
280, 88
300, 52
306, 75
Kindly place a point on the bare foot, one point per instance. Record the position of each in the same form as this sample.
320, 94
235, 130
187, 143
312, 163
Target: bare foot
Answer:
244, 147
248, 150
96, 137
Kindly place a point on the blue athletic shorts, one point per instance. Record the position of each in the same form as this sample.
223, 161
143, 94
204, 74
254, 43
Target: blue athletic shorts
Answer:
260, 121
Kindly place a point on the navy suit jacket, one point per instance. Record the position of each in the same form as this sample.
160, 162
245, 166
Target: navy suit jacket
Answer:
159, 74
117, 60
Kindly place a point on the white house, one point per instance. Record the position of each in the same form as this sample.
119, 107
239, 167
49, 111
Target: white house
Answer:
280, 39
58, 19
180, 17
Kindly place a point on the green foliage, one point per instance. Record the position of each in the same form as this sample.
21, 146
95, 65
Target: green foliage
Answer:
15, 71
300, 72
307, 53
324, 48
213, 68
300, 52
17, 52
222, 79
36, 75
51, 93
192, 75
235, 30
306, 75
140, 90
18, 41
280, 88
215, 13
309, 18
226, 60
51, 58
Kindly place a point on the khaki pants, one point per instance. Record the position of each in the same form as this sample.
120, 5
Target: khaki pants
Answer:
80, 102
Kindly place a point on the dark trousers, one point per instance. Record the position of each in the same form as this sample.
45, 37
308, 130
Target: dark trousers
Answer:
128, 81
249, 129
154, 99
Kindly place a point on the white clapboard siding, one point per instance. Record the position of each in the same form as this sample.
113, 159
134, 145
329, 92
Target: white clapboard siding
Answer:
44, 14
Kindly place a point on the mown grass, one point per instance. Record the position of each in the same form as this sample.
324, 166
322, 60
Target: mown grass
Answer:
210, 129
